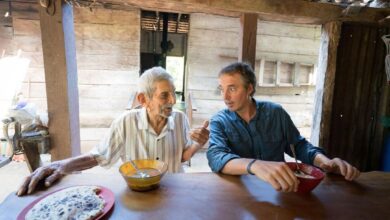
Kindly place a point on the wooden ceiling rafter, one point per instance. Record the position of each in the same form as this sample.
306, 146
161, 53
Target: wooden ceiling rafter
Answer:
298, 11
293, 11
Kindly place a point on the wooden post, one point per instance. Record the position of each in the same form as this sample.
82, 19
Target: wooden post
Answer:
326, 74
59, 56
247, 38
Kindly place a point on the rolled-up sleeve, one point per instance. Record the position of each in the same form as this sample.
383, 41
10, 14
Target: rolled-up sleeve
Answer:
218, 153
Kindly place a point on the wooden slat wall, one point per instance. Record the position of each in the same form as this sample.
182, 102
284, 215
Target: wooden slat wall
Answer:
361, 97
107, 44
213, 43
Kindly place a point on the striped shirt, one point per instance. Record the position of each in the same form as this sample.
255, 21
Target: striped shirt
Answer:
131, 137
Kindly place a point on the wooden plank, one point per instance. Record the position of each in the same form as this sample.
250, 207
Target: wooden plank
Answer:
38, 90
105, 16
290, 30
104, 77
102, 119
36, 58
247, 39
357, 136
106, 47
208, 40
339, 111
380, 100
102, 104
213, 22
116, 77
27, 43
325, 84
119, 32
365, 108
26, 27
354, 139
93, 134
296, 11
5, 47
5, 10
304, 91
59, 53
231, 24
103, 62
100, 91
212, 39
6, 32
25, 10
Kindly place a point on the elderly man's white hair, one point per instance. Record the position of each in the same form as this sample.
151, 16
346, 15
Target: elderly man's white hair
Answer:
146, 83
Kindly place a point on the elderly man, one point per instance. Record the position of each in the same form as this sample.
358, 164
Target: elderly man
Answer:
252, 136
155, 131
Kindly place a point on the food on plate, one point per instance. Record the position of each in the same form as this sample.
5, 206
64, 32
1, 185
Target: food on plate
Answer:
78, 202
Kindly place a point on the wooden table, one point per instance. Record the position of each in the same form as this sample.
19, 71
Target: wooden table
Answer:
212, 196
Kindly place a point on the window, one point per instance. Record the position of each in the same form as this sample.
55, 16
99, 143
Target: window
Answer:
281, 73
286, 76
175, 66
267, 73
306, 74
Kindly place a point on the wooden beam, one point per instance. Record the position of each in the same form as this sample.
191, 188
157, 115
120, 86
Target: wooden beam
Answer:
293, 11
247, 39
59, 55
326, 74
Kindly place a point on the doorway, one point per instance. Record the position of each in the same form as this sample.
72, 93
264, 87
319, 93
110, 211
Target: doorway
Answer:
164, 43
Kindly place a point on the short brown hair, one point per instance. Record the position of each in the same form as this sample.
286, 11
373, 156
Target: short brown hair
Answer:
246, 72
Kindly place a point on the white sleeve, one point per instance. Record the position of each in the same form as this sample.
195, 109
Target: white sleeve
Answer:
186, 130
109, 150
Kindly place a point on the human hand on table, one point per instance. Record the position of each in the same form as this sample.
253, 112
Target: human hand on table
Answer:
49, 174
278, 174
342, 167
200, 134
52, 172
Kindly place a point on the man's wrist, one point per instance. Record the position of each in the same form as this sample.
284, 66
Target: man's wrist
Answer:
249, 166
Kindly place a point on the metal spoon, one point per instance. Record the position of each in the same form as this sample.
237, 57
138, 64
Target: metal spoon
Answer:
298, 170
139, 172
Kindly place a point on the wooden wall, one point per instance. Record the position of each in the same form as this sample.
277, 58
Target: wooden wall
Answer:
361, 97
213, 43
107, 44
108, 59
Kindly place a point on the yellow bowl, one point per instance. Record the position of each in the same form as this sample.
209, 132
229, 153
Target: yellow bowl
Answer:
137, 183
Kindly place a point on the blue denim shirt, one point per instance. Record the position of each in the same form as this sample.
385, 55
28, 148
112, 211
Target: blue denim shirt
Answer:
267, 136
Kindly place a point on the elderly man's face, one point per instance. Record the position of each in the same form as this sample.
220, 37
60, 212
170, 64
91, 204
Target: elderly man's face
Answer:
163, 99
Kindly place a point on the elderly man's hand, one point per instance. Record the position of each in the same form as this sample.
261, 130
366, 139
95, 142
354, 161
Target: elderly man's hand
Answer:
49, 174
339, 166
201, 134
